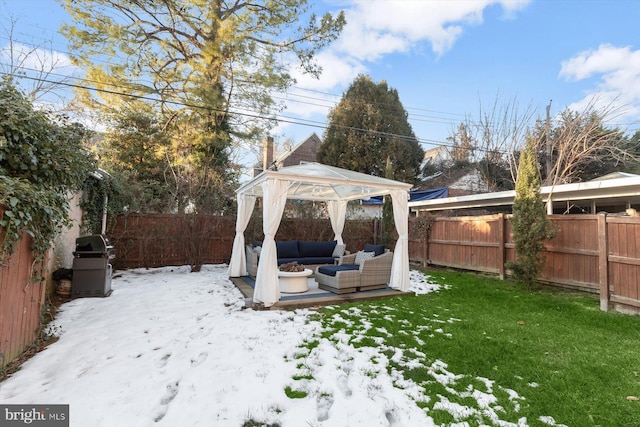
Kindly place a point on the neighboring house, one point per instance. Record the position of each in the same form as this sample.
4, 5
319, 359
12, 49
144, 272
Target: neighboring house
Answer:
305, 151
437, 172
433, 157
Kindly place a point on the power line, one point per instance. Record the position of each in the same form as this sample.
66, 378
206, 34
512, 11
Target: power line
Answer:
253, 115
415, 116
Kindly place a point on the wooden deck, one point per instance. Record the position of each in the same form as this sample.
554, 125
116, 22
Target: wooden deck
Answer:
313, 298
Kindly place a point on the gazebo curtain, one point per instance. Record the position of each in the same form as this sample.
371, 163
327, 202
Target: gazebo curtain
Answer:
400, 266
238, 264
274, 198
337, 212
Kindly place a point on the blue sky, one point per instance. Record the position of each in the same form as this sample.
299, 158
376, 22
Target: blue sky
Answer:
447, 58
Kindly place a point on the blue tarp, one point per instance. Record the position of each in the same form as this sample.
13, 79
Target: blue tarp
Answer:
415, 196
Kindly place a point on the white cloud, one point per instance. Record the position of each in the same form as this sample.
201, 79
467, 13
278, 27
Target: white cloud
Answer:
337, 69
605, 59
375, 28
618, 73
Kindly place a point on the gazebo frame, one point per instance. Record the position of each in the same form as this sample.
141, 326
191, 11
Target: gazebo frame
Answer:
318, 182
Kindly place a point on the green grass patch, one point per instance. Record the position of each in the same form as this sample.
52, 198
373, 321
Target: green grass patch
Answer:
538, 352
302, 377
294, 394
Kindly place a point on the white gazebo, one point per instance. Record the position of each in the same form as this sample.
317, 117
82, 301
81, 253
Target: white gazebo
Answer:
313, 181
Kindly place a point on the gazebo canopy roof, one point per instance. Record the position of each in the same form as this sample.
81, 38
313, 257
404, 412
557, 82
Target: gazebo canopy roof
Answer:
315, 181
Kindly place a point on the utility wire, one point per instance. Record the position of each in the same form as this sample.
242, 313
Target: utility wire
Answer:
276, 118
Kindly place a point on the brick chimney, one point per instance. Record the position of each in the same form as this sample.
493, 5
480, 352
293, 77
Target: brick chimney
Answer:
267, 153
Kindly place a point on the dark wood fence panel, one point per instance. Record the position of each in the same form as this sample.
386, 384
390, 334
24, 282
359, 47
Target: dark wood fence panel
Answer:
21, 302
147, 241
160, 240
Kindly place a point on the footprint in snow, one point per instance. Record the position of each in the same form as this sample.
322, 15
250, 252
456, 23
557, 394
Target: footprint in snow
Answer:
170, 394
323, 404
343, 385
163, 360
197, 361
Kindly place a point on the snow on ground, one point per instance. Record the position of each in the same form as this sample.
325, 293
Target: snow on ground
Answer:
173, 348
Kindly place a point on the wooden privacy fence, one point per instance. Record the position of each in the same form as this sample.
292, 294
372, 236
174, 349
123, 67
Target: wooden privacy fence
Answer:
21, 302
149, 241
593, 253
160, 240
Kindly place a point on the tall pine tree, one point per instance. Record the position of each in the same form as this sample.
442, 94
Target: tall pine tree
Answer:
368, 126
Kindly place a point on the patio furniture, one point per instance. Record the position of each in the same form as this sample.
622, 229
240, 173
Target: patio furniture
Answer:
346, 277
311, 254
294, 282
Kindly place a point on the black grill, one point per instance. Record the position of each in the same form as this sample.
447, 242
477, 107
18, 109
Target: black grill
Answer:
91, 269
94, 246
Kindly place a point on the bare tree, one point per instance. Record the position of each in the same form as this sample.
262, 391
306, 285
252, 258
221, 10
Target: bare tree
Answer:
42, 72
498, 134
580, 145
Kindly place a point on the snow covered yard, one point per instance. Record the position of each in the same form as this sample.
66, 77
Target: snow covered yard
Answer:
173, 348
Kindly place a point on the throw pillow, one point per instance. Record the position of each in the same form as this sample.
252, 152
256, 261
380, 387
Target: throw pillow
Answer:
287, 249
377, 249
362, 256
338, 251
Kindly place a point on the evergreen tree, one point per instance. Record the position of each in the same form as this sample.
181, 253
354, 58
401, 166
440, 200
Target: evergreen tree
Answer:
369, 125
529, 223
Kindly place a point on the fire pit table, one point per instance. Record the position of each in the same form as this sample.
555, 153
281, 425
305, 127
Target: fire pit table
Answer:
293, 282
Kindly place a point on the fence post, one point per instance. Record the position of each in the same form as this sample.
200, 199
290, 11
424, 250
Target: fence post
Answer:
603, 262
425, 248
501, 246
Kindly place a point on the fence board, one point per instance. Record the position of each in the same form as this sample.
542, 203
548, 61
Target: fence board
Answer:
21, 302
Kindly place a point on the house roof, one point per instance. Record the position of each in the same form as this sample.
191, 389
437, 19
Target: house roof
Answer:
604, 191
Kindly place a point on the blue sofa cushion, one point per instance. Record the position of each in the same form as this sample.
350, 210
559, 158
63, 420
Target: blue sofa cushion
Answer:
288, 249
331, 270
376, 249
307, 260
316, 249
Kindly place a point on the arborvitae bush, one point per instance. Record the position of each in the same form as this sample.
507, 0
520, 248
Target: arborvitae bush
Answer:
529, 223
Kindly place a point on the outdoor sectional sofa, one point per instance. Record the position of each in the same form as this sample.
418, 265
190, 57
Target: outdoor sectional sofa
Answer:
367, 274
310, 254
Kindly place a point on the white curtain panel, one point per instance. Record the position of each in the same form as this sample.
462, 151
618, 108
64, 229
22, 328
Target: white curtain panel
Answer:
274, 197
400, 267
238, 262
337, 212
